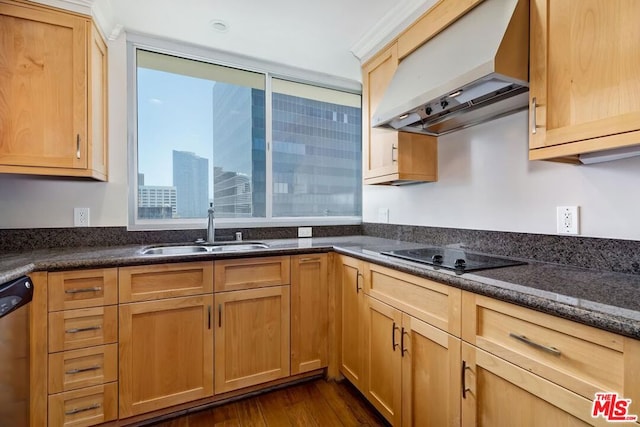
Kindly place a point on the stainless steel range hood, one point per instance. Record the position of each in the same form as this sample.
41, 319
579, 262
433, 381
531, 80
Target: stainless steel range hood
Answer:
475, 70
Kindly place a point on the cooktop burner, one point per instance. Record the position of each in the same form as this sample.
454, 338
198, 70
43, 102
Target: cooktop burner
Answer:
453, 259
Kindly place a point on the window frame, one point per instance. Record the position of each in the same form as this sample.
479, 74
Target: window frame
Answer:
271, 70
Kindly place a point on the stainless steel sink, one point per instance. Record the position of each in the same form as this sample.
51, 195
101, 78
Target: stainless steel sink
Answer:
174, 250
237, 247
204, 248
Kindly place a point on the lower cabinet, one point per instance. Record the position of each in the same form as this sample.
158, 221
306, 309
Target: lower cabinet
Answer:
81, 366
511, 366
430, 375
413, 368
498, 393
251, 337
309, 312
350, 293
166, 353
383, 358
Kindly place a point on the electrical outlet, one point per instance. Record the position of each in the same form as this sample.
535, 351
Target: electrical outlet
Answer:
304, 231
80, 217
383, 215
567, 219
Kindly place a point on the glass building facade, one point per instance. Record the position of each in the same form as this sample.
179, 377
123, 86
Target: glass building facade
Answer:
191, 180
315, 147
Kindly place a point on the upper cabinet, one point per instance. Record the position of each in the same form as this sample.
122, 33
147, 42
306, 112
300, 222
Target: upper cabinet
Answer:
53, 93
391, 157
585, 77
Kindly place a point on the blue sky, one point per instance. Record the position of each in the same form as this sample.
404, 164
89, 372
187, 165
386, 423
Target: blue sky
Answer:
174, 113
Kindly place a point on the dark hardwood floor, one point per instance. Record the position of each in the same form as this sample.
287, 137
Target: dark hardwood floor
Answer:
314, 403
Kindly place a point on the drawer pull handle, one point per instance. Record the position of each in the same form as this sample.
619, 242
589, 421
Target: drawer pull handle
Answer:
88, 328
80, 290
78, 410
534, 344
309, 259
79, 370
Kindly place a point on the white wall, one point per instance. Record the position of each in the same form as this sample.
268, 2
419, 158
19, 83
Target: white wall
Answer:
486, 182
31, 202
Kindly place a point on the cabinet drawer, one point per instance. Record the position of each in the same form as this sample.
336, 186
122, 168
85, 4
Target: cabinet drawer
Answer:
151, 282
429, 301
71, 370
235, 274
86, 327
82, 288
84, 407
581, 358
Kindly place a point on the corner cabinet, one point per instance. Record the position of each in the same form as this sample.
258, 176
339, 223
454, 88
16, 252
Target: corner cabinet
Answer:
53, 115
585, 77
391, 157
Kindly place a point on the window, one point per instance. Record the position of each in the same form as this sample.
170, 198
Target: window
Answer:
263, 149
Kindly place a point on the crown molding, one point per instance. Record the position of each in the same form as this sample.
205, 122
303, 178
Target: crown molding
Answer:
389, 27
100, 11
105, 20
77, 6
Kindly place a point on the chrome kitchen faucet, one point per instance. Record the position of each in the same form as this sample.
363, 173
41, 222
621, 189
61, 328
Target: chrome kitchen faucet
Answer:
211, 225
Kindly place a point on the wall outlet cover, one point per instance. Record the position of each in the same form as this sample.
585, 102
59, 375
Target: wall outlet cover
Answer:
567, 220
80, 217
305, 231
383, 215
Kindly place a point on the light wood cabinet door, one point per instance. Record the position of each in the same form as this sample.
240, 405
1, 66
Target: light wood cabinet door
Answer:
500, 394
585, 76
252, 337
165, 353
309, 312
350, 278
383, 358
98, 104
49, 125
431, 369
390, 156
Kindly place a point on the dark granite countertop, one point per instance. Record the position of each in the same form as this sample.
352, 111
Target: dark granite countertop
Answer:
606, 300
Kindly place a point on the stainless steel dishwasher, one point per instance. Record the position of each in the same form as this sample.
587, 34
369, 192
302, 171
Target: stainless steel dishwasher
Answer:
14, 352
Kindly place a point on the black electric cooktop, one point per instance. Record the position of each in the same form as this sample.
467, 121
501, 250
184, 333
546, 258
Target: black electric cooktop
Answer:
458, 260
